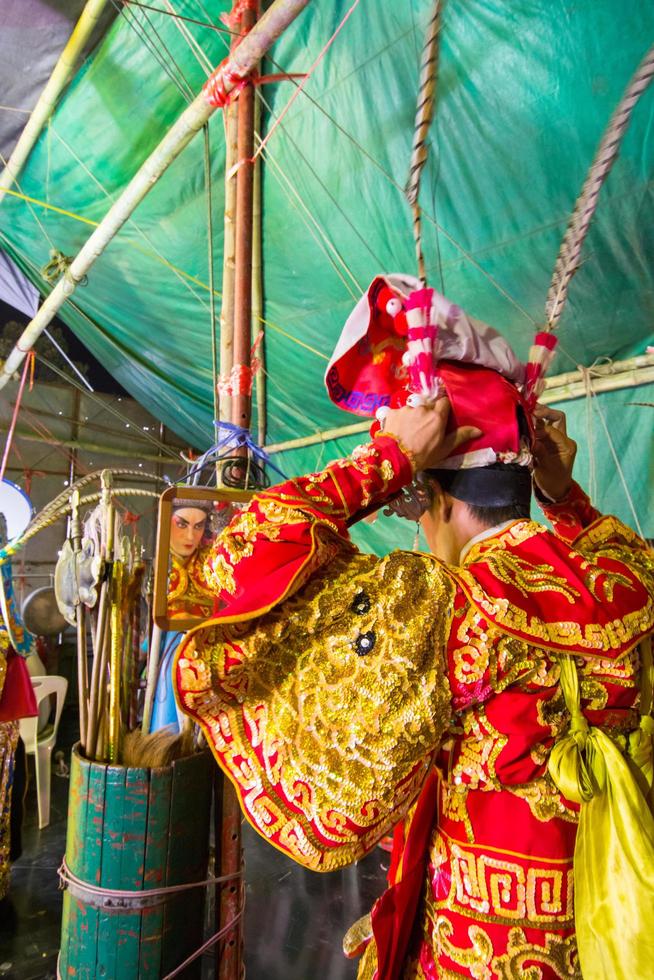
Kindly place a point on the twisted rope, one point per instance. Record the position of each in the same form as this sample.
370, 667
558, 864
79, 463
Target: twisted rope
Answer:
424, 116
47, 519
62, 498
567, 262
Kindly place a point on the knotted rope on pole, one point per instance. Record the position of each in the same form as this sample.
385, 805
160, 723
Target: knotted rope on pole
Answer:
57, 267
424, 116
567, 262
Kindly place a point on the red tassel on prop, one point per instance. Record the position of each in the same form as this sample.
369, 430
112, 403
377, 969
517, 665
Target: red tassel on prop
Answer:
541, 355
421, 345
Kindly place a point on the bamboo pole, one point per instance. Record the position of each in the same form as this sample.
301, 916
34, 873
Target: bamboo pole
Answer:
257, 291
102, 637
601, 370
615, 376
114, 740
80, 617
607, 382
211, 276
241, 398
239, 64
93, 447
154, 655
61, 75
229, 244
229, 951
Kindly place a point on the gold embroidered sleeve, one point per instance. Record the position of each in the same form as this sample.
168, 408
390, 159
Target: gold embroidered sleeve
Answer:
326, 712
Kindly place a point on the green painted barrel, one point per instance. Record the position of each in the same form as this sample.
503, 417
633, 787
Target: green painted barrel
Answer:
135, 830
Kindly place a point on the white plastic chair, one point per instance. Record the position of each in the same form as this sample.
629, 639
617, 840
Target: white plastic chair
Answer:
41, 743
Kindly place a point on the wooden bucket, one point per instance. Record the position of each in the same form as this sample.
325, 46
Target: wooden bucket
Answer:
135, 830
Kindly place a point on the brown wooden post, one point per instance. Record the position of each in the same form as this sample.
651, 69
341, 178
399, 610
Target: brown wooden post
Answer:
231, 897
242, 401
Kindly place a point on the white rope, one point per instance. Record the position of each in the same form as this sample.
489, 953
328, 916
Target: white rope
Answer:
424, 116
616, 460
592, 402
194, 46
590, 443
124, 896
567, 262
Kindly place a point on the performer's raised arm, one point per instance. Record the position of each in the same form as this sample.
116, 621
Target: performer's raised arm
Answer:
322, 684
344, 693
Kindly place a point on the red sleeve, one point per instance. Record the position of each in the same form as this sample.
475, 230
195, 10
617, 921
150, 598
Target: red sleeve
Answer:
570, 516
286, 533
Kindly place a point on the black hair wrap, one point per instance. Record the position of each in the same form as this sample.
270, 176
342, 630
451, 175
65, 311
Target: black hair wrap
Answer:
498, 485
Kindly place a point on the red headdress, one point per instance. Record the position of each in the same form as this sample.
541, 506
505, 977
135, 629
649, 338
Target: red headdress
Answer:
401, 343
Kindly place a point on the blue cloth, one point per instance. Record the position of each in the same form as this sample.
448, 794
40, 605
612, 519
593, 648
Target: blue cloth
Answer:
164, 709
231, 437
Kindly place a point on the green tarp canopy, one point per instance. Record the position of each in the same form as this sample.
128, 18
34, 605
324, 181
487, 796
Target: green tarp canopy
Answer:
524, 94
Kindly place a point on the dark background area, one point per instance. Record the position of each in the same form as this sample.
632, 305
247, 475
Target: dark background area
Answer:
12, 324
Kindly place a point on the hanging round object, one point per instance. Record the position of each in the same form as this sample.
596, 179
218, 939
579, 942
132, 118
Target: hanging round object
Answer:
41, 614
16, 507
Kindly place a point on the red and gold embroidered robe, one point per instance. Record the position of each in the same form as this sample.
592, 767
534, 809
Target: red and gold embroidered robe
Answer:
345, 695
188, 591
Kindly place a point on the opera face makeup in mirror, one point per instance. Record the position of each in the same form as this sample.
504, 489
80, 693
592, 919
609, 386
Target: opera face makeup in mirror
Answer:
190, 518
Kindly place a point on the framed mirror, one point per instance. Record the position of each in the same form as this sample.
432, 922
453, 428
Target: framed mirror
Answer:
190, 519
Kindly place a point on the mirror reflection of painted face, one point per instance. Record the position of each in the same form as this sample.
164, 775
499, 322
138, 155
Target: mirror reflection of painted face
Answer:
187, 526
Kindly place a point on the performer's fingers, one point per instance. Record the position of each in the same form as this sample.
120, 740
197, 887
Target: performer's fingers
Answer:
463, 434
550, 416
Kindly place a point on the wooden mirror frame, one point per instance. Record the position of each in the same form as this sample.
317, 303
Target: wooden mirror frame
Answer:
162, 553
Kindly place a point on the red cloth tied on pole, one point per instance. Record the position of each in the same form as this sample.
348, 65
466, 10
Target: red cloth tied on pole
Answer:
234, 17
237, 382
216, 86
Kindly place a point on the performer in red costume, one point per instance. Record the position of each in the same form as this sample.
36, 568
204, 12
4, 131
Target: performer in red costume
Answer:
442, 694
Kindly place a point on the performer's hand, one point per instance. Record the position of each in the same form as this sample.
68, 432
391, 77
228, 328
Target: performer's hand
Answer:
554, 453
421, 431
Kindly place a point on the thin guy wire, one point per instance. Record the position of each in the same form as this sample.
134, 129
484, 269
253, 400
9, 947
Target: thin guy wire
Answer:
567, 260
190, 20
132, 223
210, 259
31, 208
319, 233
139, 31
616, 460
331, 197
432, 220
167, 51
162, 447
194, 47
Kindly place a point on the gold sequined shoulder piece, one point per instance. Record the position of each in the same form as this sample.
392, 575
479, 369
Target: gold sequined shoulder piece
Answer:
326, 712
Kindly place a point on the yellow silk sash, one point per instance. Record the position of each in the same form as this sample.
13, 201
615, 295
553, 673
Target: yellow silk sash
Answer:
614, 850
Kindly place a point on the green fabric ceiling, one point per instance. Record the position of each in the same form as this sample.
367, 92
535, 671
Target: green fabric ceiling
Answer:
525, 92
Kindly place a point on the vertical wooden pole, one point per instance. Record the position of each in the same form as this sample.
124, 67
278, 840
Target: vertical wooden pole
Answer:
80, 612
80, 616
102, 634
242, 401
230, 949
229, 245
258, 327
114, 738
